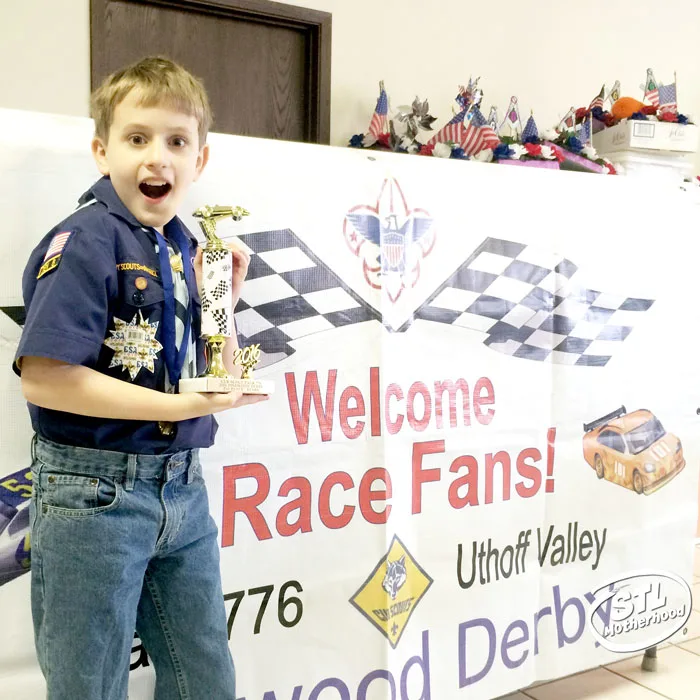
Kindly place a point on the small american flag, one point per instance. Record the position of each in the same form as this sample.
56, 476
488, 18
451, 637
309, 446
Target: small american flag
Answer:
651, 89
453, 131
667, 98
58, 242
479, 135
598, 100
379, 124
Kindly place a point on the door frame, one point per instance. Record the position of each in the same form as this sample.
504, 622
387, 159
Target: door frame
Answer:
317, 25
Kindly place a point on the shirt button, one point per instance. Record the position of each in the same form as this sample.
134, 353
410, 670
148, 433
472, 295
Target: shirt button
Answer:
138, 297
51, 479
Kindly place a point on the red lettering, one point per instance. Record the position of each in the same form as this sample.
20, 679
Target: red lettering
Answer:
248, 505
312, 392
393, 426
484, 396
419, 425
551, 439
528, 471
352, 432
470, 480
334, 522
302, 504
367, 496
374, 407
420, 475
502, 458
451, 388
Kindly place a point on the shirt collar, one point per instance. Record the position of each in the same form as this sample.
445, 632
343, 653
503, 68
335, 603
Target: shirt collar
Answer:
103, 191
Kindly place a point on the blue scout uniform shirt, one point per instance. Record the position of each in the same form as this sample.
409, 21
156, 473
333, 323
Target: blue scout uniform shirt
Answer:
81, 291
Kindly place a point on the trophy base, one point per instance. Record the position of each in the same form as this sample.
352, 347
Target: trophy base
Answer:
224, 385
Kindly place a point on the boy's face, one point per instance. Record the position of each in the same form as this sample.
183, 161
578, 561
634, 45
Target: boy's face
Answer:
152, 156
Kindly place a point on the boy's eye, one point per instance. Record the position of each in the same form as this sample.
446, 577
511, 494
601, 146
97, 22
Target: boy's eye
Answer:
137, 140
179, 142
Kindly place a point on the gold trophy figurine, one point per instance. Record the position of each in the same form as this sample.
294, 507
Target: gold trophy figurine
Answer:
217, 313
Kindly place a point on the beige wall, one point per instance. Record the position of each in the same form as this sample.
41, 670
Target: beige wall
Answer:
45, 55
551, 54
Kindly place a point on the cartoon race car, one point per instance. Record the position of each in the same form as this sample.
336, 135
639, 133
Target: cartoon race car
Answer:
15, 494
632, 450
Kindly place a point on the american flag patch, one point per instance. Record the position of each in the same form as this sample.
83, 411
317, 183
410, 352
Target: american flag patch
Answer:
57, 244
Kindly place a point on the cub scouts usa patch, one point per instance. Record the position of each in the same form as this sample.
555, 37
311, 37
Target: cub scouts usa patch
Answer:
134, 344
53, 254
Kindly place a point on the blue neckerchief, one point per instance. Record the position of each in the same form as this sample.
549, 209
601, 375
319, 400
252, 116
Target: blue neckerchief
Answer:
174, 358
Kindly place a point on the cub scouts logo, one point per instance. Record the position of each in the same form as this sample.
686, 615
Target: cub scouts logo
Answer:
53, 253
390, 594
390, 239
134, 344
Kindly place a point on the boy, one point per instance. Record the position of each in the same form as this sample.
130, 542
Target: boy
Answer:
122, 538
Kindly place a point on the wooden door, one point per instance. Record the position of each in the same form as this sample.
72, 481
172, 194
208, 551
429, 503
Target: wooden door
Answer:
266, 66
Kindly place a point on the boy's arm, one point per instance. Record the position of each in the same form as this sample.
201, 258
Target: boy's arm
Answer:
78, 389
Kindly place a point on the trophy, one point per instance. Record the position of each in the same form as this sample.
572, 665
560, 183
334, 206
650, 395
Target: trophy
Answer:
217, 314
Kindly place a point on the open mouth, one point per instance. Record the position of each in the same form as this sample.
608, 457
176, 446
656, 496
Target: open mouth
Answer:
155, 191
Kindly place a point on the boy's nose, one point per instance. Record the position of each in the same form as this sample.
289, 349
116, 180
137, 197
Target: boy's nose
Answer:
157, 155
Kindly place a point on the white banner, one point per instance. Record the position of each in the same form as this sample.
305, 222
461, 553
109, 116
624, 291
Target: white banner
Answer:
479, 468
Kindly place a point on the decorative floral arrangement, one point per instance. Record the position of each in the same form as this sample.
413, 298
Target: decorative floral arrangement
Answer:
468, 135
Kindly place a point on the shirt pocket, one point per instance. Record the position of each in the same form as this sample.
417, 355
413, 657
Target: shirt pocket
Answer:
139, 291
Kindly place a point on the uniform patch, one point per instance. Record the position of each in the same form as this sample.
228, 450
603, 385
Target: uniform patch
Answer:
53, 253
134, 344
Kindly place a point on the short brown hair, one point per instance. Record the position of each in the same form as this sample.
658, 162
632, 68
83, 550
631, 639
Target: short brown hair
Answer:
161, 81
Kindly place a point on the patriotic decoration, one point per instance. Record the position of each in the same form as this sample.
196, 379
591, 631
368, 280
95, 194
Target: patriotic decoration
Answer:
58, 243
526, 303
667, 98
379, 123
453, 131
614, 93
568, 121
651, 88
493, 118
479, 135
530, 131
512, 117
598, 100
584, 134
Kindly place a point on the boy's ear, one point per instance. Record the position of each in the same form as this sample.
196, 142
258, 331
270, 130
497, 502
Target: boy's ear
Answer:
99, 153
202, 160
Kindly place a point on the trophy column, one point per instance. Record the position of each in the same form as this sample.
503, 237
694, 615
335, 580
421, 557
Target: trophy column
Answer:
217, 314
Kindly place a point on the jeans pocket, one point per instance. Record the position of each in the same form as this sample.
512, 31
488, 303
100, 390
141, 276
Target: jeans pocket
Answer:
77, 494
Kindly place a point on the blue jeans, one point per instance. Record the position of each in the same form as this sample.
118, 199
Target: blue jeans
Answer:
121, 543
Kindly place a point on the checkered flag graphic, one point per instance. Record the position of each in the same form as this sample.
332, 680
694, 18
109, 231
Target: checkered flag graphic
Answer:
222, 319
289, 293
215, 255
528, 305
220, 289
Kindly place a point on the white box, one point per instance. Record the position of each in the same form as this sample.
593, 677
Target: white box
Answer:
646, 135
662, 166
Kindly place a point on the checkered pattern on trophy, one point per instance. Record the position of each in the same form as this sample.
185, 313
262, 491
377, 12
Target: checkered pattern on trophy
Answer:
217, 315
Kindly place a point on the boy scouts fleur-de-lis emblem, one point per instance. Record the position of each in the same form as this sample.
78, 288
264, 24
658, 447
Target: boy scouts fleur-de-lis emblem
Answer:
390, 239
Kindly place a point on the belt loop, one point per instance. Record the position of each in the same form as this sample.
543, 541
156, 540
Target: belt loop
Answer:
192, 466
130, 472
33, 448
